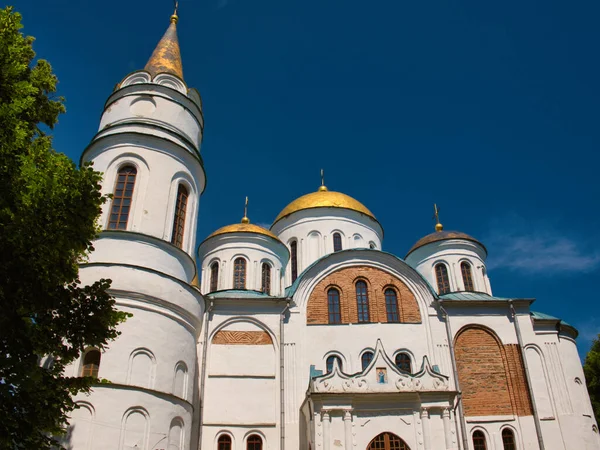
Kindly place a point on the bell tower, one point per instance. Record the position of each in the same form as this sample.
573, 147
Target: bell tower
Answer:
148, 148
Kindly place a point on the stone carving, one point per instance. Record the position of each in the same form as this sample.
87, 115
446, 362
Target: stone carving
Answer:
225, 337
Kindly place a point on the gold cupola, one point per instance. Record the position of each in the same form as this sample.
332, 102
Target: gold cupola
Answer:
166, 57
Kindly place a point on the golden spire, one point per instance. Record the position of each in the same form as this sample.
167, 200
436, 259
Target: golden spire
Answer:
166, 57
322, 188
245, 218
436, 215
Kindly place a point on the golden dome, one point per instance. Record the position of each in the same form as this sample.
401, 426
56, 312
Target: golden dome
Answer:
324, 199
244, 227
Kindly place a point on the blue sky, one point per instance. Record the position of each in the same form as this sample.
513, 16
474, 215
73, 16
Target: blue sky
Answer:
489, 109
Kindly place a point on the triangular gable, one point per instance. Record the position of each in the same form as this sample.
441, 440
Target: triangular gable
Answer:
380, 376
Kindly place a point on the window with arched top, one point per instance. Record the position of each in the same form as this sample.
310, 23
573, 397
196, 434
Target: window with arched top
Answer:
403, 362
333, 306
337, 242
179, 216
330, 360
362, 301
366, 359
214, 276
467, 276
508, 439
265, 285
387, 441
239, 273
122, 197
441, 276
479, 442
224, 442
391, 305
91, 363
254, 442
294, 258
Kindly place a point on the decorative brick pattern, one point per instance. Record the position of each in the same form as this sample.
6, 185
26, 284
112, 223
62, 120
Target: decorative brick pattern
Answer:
492, 376
225, 337
377, 282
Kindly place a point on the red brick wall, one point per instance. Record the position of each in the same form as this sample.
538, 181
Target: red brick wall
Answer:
377, 282
492, 376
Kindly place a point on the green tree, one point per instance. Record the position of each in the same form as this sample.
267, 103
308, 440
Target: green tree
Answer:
48, 219
591, 369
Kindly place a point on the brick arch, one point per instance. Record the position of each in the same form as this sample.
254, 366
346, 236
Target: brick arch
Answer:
491, 375
377, 281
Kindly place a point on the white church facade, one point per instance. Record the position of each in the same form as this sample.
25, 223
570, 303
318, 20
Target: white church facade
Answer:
307, 335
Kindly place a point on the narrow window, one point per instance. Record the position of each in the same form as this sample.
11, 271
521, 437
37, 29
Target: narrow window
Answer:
294, 255
366, 359
214, 276
224, 442
254, 442
403, 362
266, 279
179, 220
122, 195
391, 305
362, 301
330, 360
479, 440
441, 275
333, 306
465, 268
508, 439
91, 364
239, 273
337, 242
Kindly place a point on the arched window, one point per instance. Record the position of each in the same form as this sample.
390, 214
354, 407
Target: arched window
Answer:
441, 275
465, 268
179, 220
508, 439
366, 359
479, 440
333, 306
372, 245
330, 360
403, 362
214, 276
122, 195
337, 242
91, 364
239, 273
224, 442
362, 301
294, 256
391, 305
254, 442
387, 441
265, 285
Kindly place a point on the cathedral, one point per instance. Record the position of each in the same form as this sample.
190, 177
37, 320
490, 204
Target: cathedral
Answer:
307, 335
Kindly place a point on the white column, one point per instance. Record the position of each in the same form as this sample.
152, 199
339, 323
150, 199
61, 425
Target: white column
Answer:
348, 429
326, 427
425, 425
446, 416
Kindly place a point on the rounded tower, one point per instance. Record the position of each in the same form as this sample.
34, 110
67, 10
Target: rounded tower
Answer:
148, 148
450, 261
321, 223
243, 256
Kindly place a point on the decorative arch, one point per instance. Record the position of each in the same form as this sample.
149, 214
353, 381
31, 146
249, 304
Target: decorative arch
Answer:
538, 371
377, 280
176, 434
222, 336
134, 429
498, 387
81, 425
142, 368
387, 441
180, 380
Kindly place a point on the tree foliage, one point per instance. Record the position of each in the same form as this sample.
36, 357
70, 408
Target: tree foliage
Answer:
591, 368
48, 212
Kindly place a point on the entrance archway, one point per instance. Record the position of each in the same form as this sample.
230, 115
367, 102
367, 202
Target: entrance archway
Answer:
387, 441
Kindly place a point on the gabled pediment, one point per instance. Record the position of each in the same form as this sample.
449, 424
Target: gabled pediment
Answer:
381, 376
